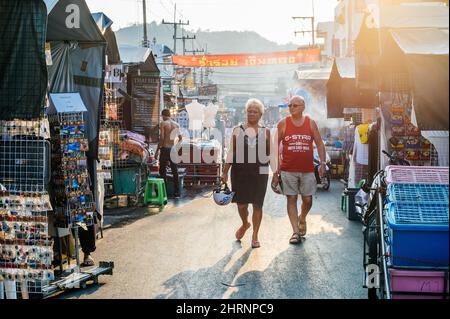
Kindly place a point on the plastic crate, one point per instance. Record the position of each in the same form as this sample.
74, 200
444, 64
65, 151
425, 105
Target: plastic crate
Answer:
417, 174
417, 213
418, 284
418, 193
418, 235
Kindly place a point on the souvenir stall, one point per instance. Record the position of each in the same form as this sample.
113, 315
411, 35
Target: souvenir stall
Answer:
406, 60
111, 113
33, 204
404, 57
137, 100
413, 107
26, 252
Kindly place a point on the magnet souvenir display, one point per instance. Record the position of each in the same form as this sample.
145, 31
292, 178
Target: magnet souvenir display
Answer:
406, 140
37, 127
73, 193
25, 248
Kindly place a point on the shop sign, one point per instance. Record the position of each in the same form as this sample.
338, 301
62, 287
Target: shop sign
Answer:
114, 73
208, 90
167, 86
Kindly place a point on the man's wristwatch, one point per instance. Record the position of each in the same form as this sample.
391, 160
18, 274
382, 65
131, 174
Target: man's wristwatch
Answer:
323, 163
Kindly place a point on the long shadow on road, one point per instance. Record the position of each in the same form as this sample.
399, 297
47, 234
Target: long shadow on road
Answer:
211, 282
310, 270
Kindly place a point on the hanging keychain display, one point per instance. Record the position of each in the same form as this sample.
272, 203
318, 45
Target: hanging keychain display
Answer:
71, 178
25, 247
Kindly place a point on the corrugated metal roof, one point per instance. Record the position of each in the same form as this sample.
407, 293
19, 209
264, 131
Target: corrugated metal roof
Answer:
422, 41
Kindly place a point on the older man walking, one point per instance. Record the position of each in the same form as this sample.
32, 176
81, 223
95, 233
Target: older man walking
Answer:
296, 133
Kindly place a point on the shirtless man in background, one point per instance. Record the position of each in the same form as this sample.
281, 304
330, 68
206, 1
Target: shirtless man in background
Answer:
165, 145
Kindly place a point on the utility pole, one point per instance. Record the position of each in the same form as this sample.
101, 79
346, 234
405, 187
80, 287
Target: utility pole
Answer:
145, 42
194, 52
184, 38
307, 31
208, 71
312, 31
175, 25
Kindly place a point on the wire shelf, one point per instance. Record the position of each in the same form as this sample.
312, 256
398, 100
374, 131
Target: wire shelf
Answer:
418, 193
413, 213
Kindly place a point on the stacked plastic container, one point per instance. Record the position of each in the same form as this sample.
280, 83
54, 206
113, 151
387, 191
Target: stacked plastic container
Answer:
417, 216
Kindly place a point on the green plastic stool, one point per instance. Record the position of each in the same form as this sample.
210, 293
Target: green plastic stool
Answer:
155, 192
361, 183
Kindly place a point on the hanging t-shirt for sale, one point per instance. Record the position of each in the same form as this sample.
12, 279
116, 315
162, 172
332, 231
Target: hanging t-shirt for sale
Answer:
210, 115
196, 113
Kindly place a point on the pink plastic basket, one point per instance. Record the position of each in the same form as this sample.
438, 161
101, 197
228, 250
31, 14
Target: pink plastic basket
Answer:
417, 282
417, 174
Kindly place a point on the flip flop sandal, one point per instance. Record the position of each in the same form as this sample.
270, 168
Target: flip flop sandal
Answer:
295, 238
255, 244
88, 262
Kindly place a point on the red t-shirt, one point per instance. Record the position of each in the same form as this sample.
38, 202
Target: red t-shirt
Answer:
297, 154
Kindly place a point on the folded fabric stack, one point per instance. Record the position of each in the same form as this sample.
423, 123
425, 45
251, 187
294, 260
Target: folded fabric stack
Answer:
418, 231
133, 148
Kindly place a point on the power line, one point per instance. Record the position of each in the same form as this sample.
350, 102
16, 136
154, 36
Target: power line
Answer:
175, 25
184, 38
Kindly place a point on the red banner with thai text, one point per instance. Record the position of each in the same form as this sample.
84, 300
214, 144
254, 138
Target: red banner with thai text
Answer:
258, 59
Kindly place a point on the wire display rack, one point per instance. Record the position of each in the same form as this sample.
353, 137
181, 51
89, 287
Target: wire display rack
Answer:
73, 195
24, 155
111, 123
418, 193
25, 247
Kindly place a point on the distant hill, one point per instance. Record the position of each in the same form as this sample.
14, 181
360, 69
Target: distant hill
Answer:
271, 79
217, 41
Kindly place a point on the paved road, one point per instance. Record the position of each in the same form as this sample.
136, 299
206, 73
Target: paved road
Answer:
190, 252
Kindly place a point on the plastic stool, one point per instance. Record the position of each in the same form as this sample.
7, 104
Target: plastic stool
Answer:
155, 192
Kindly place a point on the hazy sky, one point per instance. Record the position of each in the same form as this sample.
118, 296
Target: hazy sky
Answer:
270, 18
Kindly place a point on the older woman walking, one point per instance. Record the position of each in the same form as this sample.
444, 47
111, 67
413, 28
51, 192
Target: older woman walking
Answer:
248, 157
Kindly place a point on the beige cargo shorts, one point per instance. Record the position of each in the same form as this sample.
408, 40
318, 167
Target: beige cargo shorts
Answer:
295, 183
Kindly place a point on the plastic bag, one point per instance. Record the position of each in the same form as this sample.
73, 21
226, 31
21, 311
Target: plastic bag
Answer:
362, 197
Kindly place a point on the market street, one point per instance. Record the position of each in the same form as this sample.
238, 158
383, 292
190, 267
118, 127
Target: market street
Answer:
190, 252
